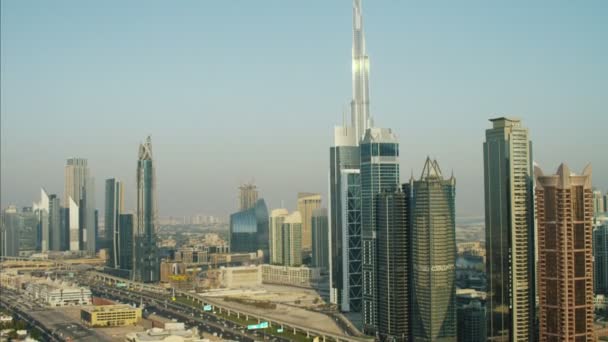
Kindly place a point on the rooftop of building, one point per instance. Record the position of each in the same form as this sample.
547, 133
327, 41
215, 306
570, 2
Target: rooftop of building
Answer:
109, 308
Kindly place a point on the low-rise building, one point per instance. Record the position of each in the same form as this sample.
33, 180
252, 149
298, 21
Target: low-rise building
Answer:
110, 315
57, 293
173, 332
242, 276
294, 276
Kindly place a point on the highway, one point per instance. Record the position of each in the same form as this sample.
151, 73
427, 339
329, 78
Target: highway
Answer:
12, 302
209, 323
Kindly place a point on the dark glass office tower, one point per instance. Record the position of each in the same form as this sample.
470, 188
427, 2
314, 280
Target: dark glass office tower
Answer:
379, 173
320, 239
114, 207
125, 242
64, 224
54, 223
509, 213
392, 265
249, 230
11, 224
433, 256
146, 262
600, 255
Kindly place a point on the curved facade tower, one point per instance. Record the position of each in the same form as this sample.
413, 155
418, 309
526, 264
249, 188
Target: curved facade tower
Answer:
360, 104
146, 265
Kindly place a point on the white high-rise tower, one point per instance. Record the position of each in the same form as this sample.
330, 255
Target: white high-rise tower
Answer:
360, 104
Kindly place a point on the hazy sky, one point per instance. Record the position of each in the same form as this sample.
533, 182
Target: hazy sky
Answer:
238, 90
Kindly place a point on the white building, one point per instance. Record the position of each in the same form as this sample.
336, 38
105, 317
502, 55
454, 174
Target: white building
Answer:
173, 332
294, 276
56, 293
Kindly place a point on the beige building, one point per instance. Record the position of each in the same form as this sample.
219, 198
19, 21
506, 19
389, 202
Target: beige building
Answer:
248, 196
294, 276
110, 315
275, 233
244, 276
307, 202
564, 206
292, 240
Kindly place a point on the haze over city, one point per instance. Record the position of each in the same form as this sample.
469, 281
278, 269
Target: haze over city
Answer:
235, 91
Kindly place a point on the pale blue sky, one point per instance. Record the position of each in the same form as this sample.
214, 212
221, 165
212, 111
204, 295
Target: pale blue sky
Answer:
234, 90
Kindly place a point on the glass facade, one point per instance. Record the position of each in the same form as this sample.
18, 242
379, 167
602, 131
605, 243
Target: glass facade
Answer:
344, 158
146, 263
379, 172
249, 230
433, 232
600, 254
320, 239
392, 265
125, 243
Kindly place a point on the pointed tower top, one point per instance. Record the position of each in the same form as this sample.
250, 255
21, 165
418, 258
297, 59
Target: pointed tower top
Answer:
431, 169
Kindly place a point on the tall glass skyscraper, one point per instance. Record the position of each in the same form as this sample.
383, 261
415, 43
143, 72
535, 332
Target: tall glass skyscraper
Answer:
114, 207
600, 256
277, 217
379, 173
54, 223
125, 242
433, 243
509, 213
146, 263
393, 265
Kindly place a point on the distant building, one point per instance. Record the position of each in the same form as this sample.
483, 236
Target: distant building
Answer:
110, 315
509, 214
433, 230
393, 265
307, 202
55, 233
11, 224
80, 188
277, 217
114, 207
293, 276
600, 256
379, 172
292, 239
598, 204
248, 196
249, 230
146, 260
43, 230
565, 259
242, 276
320, 239
173, 332
125, 242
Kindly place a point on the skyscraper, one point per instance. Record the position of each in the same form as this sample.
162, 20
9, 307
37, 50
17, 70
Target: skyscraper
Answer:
76, 173
379, 173
509, 228
307, 202
146, 263
54, 223
393, 265
80, 187
600, 256
471, 318
42, 212
565, 261
433, 256
125, 242
320, 239
249, 230
11, 224
277, 217
292, 239
360, 72
598, 203
248, 196
113, 209
74, 225
345, 225
88, 224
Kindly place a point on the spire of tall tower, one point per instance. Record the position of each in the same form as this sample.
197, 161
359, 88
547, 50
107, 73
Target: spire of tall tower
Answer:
360, 73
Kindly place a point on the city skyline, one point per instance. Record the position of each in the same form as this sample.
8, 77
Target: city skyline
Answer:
415, 89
